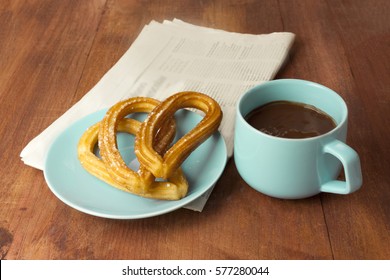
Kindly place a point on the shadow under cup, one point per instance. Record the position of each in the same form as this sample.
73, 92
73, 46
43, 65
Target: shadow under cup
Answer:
295, 168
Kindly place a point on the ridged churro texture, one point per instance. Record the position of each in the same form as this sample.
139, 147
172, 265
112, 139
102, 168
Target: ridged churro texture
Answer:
165, 165
112, 169
152, 147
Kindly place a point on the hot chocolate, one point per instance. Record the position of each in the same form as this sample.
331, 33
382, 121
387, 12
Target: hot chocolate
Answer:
288, 119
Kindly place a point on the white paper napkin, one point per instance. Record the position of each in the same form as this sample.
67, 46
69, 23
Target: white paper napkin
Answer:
174, 56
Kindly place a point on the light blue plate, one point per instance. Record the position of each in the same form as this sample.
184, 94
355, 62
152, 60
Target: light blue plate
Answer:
68, 180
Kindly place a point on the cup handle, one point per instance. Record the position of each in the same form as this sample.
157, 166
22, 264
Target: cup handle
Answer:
351, 163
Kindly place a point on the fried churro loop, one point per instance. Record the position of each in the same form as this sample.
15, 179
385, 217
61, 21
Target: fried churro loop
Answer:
112, 169
165, 165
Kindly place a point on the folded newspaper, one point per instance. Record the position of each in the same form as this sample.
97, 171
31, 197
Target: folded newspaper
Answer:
175, 56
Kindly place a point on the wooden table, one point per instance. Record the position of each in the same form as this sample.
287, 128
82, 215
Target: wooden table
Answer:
53, 52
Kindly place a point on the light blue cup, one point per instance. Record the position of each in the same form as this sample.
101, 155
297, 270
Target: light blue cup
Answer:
295, 168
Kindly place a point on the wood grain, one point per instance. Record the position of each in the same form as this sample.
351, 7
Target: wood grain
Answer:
53, 52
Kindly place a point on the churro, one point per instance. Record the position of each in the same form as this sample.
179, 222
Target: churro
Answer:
112, 169
164, 166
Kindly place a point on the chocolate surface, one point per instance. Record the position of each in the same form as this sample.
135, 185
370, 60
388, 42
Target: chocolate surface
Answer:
290, 120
